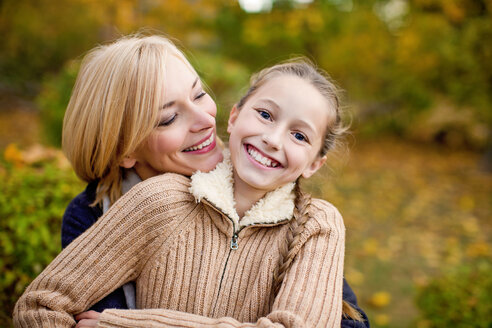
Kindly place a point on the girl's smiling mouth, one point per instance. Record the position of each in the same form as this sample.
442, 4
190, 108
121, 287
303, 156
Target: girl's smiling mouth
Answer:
258, 157
203, 146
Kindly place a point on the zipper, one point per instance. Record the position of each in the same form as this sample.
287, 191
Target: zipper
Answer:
233, 246
221, 279
234, 238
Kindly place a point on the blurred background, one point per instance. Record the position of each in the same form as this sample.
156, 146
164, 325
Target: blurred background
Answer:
414, 187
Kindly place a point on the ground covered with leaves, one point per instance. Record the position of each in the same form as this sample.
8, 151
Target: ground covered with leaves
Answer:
412, 213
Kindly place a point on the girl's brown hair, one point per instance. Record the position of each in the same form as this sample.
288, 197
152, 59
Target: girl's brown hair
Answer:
306, 70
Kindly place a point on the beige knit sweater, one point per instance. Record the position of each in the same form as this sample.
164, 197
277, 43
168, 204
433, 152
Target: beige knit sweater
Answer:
194, 262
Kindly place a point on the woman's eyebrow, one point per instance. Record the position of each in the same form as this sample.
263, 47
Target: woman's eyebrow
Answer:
169, 104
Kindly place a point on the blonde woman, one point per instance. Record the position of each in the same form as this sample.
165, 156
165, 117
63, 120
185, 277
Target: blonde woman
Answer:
138, 109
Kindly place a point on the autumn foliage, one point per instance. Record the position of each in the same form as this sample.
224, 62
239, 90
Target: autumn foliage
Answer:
417, 76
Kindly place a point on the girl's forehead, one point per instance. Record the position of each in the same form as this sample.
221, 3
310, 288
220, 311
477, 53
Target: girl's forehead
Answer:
293, 93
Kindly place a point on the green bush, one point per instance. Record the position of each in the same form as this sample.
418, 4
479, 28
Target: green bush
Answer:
459, 298
32, 201
53, 100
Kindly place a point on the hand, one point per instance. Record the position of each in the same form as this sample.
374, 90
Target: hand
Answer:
87, 319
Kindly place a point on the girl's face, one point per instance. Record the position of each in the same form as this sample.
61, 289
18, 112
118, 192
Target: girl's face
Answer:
277, 135
185, 140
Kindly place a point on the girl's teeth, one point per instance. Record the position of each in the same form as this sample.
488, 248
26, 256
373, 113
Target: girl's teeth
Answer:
261, 159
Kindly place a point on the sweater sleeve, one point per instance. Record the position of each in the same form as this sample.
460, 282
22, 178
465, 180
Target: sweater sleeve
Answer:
310, 296
111, 253
78, 217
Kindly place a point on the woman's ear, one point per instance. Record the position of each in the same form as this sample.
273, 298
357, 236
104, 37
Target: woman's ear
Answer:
128, 161
232, 118
315, 166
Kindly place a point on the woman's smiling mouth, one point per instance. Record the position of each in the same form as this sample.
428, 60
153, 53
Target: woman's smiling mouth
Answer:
260, 158
205, 145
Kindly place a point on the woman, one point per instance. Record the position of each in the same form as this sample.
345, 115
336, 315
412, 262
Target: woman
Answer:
127, 122
137, 110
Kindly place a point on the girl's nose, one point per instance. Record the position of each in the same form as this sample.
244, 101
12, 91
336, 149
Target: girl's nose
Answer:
273, 139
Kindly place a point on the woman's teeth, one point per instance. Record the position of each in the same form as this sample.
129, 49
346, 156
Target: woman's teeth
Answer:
261, 159
203, 144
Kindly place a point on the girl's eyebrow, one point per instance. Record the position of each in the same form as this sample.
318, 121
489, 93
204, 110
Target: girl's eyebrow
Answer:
307, 125
170, 103
269, 101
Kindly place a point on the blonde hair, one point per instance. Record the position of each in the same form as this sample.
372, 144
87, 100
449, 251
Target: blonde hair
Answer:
306, 70
114, 107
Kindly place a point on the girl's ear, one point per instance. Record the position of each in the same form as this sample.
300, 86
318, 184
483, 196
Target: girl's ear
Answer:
232, 118
315, 165
128, 162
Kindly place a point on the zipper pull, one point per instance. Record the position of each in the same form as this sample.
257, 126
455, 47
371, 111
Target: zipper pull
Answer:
234, 244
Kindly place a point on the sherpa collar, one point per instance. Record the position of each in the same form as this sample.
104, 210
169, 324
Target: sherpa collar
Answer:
217, 187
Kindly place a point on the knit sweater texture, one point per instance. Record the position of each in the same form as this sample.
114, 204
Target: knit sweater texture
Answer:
177, 247
80, 216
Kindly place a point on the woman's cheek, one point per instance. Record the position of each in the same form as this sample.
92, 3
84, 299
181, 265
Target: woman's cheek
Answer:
167, 142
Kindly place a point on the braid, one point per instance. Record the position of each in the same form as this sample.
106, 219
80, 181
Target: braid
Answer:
288, 250
306, 70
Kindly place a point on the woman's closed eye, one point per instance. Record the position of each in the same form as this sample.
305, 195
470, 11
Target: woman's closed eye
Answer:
168, 120
200, 95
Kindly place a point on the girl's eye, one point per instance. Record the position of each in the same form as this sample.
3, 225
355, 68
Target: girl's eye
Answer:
168, 121
266, 115
299, 136
201, 94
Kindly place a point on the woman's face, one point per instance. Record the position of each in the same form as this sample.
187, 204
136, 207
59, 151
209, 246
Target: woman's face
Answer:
185, 139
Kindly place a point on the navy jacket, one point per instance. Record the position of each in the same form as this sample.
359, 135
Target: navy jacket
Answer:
79, 216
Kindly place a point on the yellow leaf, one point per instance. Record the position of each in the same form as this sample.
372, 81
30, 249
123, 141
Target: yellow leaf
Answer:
13, 155
381, 319
380, 299
467, 203
354, 277
478, 249
370, 246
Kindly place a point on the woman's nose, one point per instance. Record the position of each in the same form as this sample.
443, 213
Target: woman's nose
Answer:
202, 118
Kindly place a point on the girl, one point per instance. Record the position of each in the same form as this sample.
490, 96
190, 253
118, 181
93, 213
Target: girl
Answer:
261, 252
138, 109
